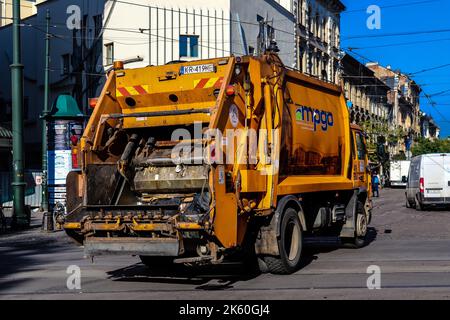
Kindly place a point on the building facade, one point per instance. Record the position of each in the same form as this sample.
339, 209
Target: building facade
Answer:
404, 96
75, 50
153, 32
318, 50
27, 9
367, 95
88, 36
429, 129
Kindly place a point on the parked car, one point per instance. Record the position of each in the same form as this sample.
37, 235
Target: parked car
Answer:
429, 181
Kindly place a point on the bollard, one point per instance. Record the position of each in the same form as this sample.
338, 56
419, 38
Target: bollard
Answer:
47, 222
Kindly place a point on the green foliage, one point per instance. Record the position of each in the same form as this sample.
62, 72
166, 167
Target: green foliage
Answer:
425, 146
374, 130
399, 157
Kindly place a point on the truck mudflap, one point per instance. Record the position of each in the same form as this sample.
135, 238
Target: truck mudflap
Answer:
165, 247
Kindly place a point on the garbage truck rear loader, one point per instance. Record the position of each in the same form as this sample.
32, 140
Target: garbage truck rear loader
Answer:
196, 162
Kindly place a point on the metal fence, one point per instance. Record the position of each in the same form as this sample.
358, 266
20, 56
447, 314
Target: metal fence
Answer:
33, 190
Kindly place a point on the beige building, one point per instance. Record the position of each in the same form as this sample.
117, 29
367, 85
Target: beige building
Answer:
318, 38
27, 9
367, 95
405, 97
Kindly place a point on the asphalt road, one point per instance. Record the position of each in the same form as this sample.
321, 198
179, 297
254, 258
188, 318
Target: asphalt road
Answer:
412, 250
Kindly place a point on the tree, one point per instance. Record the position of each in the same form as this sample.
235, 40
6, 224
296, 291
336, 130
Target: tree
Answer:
426, 146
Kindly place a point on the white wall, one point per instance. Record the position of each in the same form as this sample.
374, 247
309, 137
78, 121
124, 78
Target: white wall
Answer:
162, 24
214, 22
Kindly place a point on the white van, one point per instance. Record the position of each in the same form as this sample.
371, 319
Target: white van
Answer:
429, 181
399, 173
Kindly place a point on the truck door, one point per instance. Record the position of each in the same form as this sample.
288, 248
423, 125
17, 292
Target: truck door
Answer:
360, 161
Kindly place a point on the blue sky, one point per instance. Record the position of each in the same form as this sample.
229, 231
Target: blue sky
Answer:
424, 51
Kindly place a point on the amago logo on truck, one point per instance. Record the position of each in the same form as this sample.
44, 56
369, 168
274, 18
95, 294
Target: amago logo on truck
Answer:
311, 118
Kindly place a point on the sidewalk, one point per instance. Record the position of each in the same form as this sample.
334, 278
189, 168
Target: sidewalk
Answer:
5, 222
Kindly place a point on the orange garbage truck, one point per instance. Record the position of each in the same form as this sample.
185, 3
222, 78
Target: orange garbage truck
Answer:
204, 161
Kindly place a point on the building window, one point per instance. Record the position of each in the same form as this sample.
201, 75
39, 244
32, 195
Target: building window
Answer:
65, 64
189, 46
109, 53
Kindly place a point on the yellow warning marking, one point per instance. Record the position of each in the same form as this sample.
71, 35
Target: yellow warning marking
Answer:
211, 82
196, 82
132, 91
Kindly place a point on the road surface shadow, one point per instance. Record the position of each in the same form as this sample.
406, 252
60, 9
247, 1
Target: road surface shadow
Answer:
310, 253
212, 277
24, 255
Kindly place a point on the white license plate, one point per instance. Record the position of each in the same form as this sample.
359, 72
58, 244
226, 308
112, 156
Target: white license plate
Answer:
202, 68
434, 191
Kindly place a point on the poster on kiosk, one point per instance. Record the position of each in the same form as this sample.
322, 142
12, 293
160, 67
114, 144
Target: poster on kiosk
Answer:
65, 127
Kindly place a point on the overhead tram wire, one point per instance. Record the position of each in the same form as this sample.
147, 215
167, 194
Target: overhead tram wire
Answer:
405, 33
430, 69
405, 4
136, 32
397, 44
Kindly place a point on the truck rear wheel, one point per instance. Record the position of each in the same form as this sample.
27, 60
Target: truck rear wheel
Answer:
290, 245
361, 229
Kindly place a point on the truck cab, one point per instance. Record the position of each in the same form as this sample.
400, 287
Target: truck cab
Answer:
361, 174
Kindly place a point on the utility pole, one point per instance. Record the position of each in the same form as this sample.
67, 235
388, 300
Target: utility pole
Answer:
18, 184
45, 113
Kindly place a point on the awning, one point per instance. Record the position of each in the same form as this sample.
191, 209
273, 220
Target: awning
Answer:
5, 138
65, 107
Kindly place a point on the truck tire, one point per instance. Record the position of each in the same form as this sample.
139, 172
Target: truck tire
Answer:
361, 227
156, 262
290, 245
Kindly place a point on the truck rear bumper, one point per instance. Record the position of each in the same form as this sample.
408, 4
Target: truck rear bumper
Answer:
132, 246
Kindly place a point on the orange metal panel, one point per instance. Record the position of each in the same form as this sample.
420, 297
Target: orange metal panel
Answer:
305, 184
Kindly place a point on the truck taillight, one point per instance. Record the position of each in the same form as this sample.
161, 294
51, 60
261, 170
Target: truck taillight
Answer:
75, 159
93, 102
422, 185
230, 91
